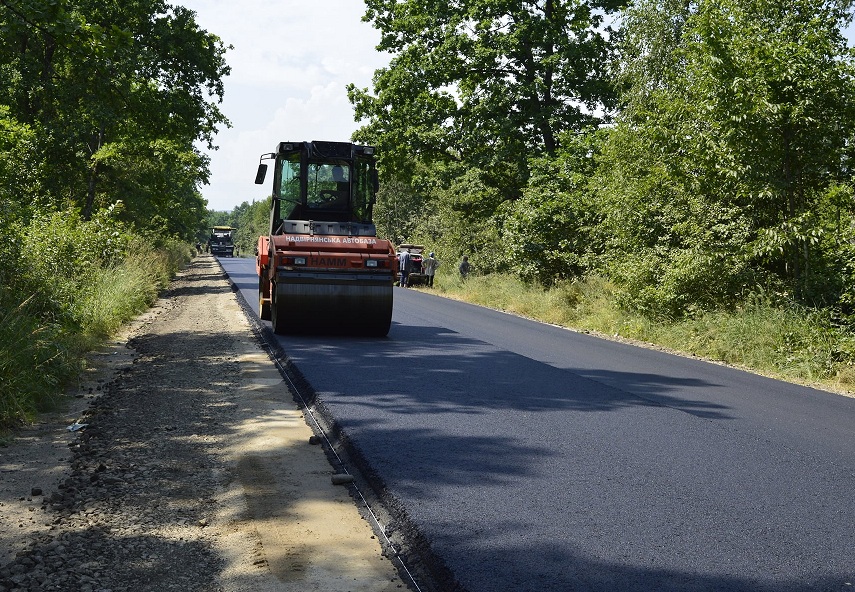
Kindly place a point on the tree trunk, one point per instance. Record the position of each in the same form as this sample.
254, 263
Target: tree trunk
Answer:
93, 176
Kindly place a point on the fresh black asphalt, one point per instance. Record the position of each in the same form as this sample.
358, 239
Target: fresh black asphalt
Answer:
535, 458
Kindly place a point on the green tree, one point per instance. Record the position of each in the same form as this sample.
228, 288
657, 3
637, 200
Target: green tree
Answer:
551, 233
461, 217
780, 106
400, 210
476, 89
251, 220
730, 169
95, 80
649, 38
488, 83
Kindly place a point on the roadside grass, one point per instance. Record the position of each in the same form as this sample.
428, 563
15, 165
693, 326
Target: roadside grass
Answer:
791, 343
34, 360
117, 294
40, 355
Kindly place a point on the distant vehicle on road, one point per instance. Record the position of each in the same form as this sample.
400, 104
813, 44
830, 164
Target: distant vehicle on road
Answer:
221, 242
415, 270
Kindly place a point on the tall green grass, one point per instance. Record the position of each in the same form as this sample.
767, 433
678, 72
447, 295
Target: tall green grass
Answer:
34, 361
784, 341
42, 348
116, 294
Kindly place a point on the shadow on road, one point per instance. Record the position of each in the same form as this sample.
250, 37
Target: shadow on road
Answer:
502, 469
433, 369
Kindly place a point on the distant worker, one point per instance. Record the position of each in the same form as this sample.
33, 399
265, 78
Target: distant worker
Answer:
464, 267
404, 267
430, 264
198, 247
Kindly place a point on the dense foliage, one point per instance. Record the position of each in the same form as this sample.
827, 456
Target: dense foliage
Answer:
485, 83
104, 101
731, 173
103, 105
697, 154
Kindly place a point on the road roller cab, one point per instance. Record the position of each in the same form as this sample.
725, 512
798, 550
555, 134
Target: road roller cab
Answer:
322, 268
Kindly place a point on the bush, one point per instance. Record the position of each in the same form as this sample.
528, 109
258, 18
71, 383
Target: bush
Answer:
551, 230
72, 283
671, 284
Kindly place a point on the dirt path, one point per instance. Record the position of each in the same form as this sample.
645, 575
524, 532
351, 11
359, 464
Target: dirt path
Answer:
194, 470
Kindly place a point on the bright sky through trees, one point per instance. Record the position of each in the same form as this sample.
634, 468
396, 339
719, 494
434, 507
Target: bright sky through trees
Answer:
290, 65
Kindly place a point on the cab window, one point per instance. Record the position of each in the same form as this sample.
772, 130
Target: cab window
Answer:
363, 191
289, 183
328, 186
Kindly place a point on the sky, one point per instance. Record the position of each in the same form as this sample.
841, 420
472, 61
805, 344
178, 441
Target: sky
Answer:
290, 64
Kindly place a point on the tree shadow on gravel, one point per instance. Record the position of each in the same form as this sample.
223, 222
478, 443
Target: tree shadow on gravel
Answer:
197, 290
144, 477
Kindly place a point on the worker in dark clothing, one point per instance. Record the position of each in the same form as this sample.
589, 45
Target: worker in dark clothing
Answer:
464, 267
403, 267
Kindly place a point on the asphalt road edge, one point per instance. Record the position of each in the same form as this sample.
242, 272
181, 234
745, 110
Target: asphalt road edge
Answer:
402, 540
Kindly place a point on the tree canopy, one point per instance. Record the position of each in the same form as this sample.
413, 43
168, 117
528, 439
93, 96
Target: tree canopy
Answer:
114, 96
730, 168
487, 82
693, 152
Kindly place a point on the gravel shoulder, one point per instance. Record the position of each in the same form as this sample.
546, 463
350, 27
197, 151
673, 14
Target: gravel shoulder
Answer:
194, 470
